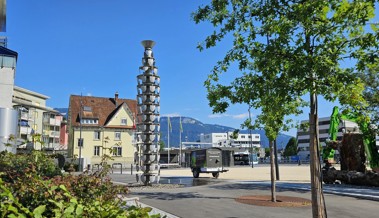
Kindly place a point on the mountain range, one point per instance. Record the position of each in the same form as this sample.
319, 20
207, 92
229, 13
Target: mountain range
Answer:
192, 129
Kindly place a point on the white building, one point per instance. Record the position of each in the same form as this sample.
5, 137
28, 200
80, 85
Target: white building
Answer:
8, 115
224, 140
324, 123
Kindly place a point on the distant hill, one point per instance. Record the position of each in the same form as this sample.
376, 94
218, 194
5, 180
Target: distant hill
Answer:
192, 129
63, 111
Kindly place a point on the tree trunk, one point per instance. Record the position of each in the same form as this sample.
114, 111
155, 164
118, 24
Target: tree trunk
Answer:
318, 210
276, 161
272, 168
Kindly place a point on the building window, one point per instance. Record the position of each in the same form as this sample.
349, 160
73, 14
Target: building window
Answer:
257, 137
242, 136
117, 151
96, 150
124, 121
89, 121
96, 135
86, 108
80, 142
117, 136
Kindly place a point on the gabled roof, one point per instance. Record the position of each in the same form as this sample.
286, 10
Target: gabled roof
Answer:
99, 108
123, 105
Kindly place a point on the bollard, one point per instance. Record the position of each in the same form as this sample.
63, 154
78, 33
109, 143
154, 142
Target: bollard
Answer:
131, 169
121, 168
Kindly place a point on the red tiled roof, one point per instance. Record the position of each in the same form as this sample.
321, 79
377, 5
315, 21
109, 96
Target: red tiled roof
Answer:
101, 108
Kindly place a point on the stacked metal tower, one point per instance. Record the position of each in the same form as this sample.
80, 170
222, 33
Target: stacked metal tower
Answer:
148, 128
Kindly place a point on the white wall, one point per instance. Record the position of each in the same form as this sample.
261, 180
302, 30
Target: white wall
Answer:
6, 87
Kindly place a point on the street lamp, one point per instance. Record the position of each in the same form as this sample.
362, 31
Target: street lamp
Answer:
148, 99
251, 141
80, 141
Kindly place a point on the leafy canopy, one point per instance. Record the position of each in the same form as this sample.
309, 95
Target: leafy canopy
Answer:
285, 49
291, 147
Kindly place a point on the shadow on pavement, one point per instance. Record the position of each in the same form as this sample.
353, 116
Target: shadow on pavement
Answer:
173, 196
188, 181
246, 186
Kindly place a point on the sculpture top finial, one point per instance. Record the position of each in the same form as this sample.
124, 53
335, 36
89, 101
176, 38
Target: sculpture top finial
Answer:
148, 43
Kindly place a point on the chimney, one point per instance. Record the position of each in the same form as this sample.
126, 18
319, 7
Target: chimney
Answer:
116, 98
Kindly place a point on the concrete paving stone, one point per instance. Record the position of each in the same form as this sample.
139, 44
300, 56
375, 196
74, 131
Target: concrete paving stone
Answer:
216, 198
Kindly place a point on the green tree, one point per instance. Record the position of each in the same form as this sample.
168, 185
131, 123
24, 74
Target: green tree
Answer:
371, 94
235, 134
161, 145
267, 152
288, 49
291, 147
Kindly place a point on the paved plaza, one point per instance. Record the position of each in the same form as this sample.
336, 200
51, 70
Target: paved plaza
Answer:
216, 197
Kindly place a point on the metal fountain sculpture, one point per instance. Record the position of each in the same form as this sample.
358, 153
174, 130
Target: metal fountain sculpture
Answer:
147, 135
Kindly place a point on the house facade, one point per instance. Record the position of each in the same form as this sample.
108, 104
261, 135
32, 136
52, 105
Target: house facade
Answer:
34, 117
106, 127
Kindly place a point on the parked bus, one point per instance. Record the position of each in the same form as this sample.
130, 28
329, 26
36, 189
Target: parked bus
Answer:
243, 158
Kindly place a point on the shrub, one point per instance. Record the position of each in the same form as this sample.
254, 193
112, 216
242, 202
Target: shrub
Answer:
30, 190
15, 165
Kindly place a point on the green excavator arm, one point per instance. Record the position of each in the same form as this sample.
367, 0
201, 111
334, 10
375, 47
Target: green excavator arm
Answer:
368, 136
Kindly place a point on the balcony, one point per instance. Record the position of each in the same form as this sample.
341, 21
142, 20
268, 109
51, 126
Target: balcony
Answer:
26, 116
52, 121
54, 146
25, 130
51, 134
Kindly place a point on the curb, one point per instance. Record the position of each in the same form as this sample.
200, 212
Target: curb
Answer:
134, 201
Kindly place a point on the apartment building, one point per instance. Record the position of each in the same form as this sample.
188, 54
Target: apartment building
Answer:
105, 126
224, 140
23, 113
34, 117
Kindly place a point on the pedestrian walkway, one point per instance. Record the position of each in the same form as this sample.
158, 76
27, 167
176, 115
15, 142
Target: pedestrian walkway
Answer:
219, 200
362, 192
216, 198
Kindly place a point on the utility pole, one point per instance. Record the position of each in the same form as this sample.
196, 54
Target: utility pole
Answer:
251, 141
80, 142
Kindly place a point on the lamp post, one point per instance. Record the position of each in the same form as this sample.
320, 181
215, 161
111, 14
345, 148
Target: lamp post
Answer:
148, 127
251, 141
80, 141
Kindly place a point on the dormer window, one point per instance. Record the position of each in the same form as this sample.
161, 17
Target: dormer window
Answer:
90, 121
87, 108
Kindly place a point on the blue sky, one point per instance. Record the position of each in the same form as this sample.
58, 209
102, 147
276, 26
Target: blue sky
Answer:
93, 47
